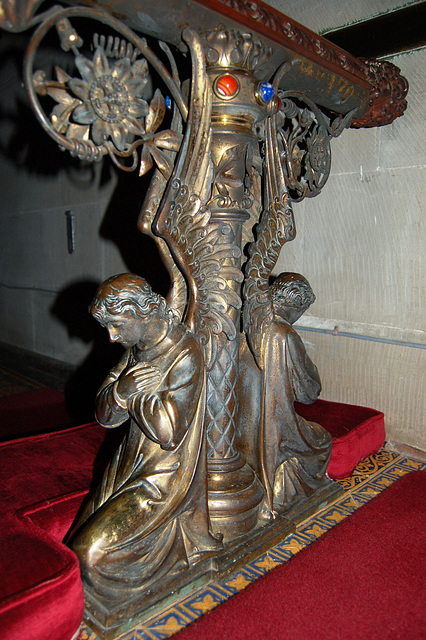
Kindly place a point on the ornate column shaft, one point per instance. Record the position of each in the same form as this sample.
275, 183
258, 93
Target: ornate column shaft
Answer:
234, 490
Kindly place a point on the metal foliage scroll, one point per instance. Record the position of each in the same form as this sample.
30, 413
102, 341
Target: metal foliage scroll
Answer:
184, 220
297, 165
304, 136
108, 108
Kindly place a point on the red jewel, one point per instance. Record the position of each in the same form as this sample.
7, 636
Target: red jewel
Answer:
227, 86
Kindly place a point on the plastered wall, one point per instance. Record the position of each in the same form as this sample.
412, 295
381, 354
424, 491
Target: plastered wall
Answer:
38, 184
334, 14
361, 244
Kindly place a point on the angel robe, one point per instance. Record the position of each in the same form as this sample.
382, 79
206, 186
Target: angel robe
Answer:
289, 454
149, 516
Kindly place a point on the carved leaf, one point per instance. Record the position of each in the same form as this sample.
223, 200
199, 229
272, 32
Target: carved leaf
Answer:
184, 220
157, 110
223, 176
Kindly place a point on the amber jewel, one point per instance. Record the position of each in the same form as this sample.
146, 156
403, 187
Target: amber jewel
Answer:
227, 86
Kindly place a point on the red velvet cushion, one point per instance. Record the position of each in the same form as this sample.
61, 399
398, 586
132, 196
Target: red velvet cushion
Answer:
55, 516
45, 480
41, 592
53, 464
357, 432
36, 411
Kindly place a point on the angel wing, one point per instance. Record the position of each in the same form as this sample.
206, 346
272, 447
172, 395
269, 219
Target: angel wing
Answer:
183, 220
177, 296
274, 230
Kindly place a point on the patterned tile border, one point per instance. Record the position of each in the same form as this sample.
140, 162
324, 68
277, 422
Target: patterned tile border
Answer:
370, 478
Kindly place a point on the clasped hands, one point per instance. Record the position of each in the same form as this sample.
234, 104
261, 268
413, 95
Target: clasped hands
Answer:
136, 379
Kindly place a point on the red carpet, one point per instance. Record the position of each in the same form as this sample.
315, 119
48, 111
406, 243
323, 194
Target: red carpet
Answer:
365, 578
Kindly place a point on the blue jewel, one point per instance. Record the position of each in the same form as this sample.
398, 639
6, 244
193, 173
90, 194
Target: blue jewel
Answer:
168, 102
266, 91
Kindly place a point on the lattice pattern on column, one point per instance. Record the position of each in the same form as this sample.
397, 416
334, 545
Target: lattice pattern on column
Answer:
222, 377
222, 400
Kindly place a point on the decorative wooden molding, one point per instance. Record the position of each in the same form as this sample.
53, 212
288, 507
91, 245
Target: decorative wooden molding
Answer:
388, 88
265, 20
387, 95
327, 74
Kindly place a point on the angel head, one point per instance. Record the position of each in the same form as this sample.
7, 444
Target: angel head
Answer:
131, 311
292, 295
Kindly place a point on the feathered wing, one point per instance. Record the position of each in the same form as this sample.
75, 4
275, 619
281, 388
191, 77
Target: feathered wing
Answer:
177, 297
274, 230
178, 294
183, 219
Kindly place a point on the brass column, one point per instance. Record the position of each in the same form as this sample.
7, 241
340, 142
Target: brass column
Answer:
234, 490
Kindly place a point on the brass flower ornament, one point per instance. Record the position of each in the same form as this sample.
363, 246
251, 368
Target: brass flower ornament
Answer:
106, 99
110, 109
156, 141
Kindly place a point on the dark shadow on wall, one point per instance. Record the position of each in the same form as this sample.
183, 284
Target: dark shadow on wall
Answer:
71, 309
140, 256
138, 251
31, 149
23, 141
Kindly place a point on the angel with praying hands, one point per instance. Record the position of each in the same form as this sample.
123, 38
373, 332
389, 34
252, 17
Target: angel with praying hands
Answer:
148, 519
149, 515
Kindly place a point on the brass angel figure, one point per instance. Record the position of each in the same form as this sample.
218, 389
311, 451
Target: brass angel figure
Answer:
149, 517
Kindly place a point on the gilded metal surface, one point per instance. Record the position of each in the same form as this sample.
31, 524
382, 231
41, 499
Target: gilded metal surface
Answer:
214, 452
290, 455
148, 518
303, 138
104, 111
370, 478
330, 76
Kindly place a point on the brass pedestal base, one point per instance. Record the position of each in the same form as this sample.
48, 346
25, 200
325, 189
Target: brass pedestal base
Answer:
234, 495
109, 620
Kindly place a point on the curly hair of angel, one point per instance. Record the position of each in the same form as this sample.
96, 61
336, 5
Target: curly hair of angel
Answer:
292, 290
127, 293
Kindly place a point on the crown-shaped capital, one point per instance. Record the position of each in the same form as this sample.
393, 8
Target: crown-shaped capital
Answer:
232, 49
